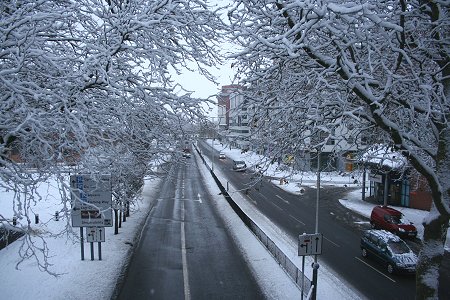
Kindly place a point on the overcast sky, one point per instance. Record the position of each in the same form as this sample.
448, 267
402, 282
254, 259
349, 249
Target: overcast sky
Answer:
200, 86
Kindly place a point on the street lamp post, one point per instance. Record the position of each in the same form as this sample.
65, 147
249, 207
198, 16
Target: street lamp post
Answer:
316, 264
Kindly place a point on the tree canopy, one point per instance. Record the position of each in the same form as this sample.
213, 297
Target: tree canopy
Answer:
87, 83
377, 66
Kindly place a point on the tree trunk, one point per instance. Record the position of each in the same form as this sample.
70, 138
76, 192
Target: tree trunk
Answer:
116, 221
436, 225
430, 258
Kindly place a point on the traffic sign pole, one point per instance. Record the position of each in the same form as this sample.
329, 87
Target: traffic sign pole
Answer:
82, 243
303, 274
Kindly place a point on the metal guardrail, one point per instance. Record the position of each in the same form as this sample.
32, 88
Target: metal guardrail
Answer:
291, 269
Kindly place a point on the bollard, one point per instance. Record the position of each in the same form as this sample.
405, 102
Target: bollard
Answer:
36, 219
56, 216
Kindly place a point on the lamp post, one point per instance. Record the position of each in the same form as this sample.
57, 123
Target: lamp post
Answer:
316, 264
214, 136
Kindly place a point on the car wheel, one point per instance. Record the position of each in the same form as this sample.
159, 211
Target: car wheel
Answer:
390, 269
364, 252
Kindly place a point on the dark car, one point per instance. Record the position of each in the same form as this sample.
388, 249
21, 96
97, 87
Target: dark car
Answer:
239, 165
390, 219
390, 250
186, 152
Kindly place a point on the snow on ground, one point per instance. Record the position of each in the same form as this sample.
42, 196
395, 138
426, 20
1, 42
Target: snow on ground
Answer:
97, 279
79, 279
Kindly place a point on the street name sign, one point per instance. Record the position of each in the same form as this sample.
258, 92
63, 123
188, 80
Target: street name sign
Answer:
309, 244
91, 200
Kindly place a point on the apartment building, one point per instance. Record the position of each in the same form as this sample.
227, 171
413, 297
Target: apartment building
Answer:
233, 117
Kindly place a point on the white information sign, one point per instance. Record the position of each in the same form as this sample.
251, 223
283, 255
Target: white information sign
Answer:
309, 244
95, 234
91, 201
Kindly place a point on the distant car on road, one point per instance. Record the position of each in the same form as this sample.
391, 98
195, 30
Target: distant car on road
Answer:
392, 220
239, 166
222, 155
187, 153
390, 250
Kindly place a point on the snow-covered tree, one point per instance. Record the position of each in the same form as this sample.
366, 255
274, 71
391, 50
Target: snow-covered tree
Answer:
80, 76
377, 66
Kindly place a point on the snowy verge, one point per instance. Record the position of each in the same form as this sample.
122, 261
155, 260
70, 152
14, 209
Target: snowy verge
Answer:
79, 279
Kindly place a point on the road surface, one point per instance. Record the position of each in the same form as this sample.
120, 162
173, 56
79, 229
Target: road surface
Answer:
185, 252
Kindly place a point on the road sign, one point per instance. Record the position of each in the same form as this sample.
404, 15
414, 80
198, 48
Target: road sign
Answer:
91, 200
309, 244
95, 234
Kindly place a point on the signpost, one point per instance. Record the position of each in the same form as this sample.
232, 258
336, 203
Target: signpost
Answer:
91, 208
95, 234
91, 201
309, 244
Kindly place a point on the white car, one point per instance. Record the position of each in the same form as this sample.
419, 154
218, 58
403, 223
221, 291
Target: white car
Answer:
222, 155
239, 165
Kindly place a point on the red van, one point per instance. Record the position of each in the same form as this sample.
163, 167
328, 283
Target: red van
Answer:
387, 218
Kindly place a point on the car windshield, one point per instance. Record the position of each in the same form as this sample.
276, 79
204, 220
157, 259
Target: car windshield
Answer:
393, 219
398, 247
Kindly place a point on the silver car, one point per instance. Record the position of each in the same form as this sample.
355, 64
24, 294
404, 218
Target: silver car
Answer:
239, 165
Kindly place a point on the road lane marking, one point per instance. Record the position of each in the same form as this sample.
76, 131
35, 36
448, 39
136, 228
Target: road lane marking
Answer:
332, 242
262, 195
297, 219
375, 269
276, 205
195, 200
185, 199
254, 201
166, 198
285, 201
187, 292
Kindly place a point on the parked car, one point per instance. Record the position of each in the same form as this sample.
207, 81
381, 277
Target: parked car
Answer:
222, 155
390, 250
392, 220
239, 165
